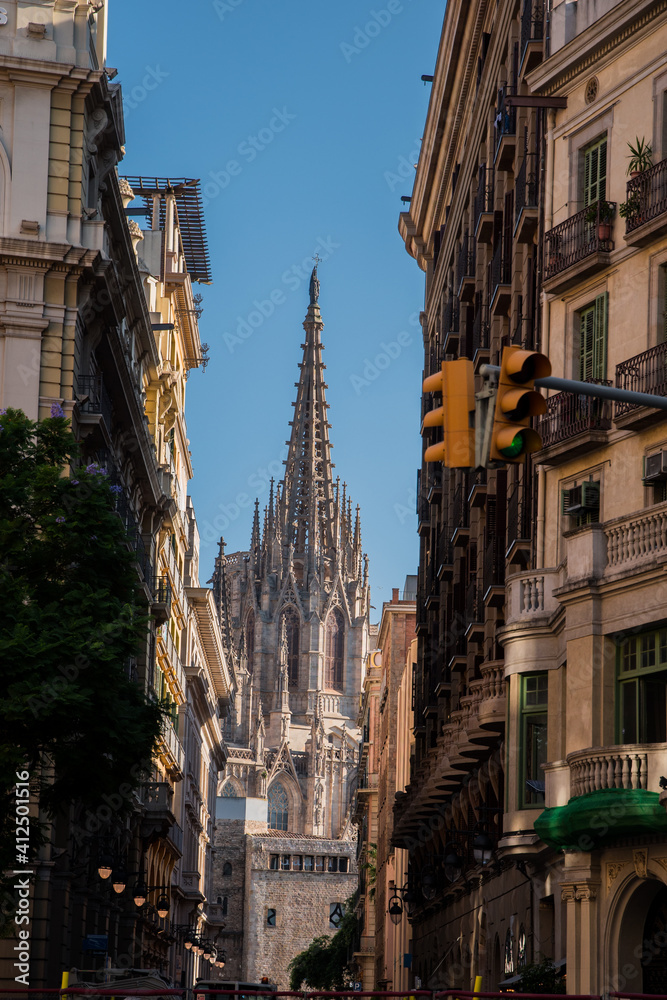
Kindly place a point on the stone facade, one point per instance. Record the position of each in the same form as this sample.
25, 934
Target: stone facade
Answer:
295, 610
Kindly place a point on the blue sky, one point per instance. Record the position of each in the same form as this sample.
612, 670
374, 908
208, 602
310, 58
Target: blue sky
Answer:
302, 119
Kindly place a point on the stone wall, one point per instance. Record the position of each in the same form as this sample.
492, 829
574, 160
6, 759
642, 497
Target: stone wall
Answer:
230, 848
301, 900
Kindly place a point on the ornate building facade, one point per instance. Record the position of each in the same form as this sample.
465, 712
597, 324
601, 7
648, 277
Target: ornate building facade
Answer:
294, 611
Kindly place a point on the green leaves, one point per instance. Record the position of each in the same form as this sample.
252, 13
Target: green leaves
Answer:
323, 964
71, 620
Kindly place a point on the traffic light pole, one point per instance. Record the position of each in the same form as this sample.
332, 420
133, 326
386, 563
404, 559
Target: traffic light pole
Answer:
590, 389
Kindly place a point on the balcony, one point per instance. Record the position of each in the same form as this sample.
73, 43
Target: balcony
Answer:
445, 555
93, 402
525, 200
460, 521
450, 326
501, 280
465, 271
576, 248
480, 332
157, 801
518, 525
505, 126
573, 425
423, 515
646, 372
636, 543
532, 32
187, 883
494, 570
474, 612
171, 748
646, 196
619, 783
484, 205
161, 603
530, 597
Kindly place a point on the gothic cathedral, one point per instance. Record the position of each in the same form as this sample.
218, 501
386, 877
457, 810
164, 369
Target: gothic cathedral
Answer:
294, 616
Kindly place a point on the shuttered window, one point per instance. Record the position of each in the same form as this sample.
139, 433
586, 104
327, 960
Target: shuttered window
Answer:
595, 171
593, 340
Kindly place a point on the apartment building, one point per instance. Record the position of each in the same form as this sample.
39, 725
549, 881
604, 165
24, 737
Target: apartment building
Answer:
99, 317
533, 814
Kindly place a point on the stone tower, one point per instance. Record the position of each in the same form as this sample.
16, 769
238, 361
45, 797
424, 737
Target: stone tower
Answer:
294, 614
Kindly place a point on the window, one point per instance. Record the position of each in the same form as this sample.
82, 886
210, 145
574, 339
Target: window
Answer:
229, 791
227, 869
271, 917
595, 171
333, 650
274, 862
533, 750
642, 682
332, 864
319, 864
250, 641
292, 624
278, 807
224, 906
593, 340
297, 863
308, 863
342, 864
284, 863
335, 915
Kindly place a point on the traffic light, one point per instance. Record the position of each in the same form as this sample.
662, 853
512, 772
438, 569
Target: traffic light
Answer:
456, 416
517, 401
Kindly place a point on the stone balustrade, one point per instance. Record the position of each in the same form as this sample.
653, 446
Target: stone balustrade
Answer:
607, 767
637, 539
530, 595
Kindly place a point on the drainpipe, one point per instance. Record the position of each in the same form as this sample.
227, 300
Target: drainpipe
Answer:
546, 332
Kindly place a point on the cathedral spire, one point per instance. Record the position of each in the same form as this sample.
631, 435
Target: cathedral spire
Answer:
306, 507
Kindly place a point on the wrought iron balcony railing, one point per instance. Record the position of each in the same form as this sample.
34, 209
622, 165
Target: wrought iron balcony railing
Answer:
480, 329
532, 23
525, 186
646, 372
569, 414
466, 259
577, 238
646, 196
485, 190
93, 396
501, 268
504, 121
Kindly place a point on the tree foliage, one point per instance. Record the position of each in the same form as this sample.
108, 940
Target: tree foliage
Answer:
323, 965
69, 712
541, 977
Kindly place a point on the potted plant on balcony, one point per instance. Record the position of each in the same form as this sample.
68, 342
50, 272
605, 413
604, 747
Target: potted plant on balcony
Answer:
628, 209
640, 157
601, 212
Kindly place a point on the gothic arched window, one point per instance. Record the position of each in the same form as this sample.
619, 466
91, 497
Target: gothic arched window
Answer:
229, 791
334, 644
291, 619
250, 640
227, 869
278, 807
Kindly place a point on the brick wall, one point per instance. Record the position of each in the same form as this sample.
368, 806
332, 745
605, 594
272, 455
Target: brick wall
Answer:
301, 900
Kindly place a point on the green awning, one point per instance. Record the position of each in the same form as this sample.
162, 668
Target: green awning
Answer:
588, 821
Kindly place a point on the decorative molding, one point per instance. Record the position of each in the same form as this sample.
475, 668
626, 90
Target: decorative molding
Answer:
613, 868
640, 860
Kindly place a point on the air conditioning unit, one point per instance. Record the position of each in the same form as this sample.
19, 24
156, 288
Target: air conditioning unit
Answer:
584, 499
655, 467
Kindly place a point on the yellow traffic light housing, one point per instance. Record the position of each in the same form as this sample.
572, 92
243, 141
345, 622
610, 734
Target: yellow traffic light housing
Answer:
456, 416
512, 437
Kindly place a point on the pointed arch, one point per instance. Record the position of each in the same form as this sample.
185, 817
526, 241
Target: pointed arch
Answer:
250, 640
334, 649
277, 807
292, 621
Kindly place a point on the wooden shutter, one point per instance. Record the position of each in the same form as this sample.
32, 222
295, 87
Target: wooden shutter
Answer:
595, 172
586, 323
600, 337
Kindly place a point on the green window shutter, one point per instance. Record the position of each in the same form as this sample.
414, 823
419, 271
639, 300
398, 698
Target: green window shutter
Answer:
595, 172
600, 337
586, 326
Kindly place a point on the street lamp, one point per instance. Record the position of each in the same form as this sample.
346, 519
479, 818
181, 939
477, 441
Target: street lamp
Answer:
162, 905
482, 848
105, 865
119, 880
140, 893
